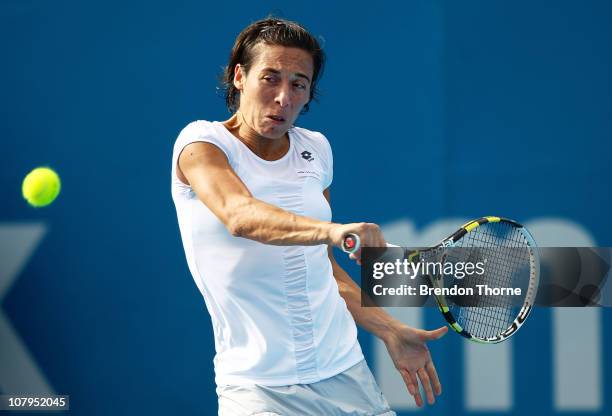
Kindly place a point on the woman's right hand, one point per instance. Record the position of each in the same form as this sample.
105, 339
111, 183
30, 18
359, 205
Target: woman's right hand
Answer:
370, 235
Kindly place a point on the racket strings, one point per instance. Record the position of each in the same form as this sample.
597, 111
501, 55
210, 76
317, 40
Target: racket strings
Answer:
506, 257
484, 324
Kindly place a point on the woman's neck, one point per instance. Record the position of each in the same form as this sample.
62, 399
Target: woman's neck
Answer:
267, 149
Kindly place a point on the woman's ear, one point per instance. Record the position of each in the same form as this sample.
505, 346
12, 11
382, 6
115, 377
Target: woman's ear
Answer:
239, 77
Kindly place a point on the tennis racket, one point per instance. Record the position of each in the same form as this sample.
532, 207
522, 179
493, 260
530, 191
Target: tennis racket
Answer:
511, 255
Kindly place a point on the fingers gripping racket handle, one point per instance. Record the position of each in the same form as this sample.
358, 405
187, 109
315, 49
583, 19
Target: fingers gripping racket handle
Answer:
351, 243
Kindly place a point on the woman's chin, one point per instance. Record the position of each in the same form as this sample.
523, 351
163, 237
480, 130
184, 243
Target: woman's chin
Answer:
275, 132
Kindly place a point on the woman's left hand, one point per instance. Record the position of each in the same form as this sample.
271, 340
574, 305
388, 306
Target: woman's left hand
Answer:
407, 348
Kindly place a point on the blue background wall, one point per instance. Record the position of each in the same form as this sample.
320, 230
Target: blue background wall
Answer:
424, 102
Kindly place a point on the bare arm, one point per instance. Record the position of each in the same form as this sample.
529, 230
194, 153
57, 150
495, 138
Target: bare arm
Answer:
206, 169
406, 345
373, 319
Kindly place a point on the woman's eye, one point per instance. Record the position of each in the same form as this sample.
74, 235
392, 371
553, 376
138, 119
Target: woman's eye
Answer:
299, 85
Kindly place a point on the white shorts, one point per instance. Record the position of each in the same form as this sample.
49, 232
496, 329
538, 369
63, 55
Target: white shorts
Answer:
353, 392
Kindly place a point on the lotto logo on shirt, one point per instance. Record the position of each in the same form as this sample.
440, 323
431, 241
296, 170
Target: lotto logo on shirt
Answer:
307, 155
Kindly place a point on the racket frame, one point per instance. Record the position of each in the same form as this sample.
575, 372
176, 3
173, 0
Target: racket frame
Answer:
534, 259
352, 244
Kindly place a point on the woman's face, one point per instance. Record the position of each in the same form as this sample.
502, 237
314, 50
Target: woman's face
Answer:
275, 89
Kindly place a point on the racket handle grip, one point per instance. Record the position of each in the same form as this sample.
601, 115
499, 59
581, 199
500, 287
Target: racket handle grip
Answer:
351, 243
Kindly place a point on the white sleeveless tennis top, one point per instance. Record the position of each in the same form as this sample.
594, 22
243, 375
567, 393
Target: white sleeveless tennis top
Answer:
277, 316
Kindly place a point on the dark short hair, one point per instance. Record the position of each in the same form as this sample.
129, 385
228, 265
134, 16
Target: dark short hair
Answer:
270, 31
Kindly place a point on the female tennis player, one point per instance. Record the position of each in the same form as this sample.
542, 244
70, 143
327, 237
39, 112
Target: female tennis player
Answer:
252, 198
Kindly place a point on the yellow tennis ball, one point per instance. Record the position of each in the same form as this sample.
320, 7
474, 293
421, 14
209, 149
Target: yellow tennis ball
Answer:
41, 186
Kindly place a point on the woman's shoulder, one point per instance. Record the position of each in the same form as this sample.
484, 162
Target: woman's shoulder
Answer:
315, 137
198, 127
209, 132
203, 130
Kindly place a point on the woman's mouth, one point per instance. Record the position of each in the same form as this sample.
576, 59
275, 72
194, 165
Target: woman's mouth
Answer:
276, 119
